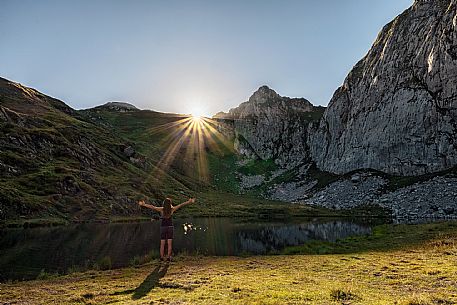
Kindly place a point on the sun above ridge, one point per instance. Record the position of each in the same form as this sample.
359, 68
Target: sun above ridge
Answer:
196, 118
190, 139
197, 113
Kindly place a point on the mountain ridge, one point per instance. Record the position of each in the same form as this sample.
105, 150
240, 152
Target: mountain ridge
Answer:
394, 119
270, 126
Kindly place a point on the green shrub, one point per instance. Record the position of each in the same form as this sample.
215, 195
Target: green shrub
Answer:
104, 263
75, 269
43, 275
139, 260
342, 295
135, 261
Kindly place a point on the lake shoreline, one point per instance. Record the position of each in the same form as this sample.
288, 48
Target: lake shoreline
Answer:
261, 213
409, 264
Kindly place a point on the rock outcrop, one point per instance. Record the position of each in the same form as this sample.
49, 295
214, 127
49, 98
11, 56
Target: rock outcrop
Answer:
432, 198
397, 109
117, 106
269, 126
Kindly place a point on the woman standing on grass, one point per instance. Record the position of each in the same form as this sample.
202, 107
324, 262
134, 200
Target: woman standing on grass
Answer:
166, 225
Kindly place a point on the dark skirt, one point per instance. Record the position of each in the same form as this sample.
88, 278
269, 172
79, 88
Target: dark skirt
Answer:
166, 232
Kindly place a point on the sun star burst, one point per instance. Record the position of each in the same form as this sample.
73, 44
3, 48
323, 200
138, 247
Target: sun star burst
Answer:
188, 142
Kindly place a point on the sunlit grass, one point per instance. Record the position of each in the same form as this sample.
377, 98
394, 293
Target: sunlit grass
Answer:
423, 272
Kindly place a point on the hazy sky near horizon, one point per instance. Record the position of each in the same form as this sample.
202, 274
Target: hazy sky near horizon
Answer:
186, 56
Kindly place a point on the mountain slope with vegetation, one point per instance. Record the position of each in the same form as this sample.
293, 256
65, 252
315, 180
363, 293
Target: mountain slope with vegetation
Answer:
94, 164
55, 162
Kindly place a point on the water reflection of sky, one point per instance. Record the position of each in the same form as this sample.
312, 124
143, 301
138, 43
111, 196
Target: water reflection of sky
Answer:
25, 252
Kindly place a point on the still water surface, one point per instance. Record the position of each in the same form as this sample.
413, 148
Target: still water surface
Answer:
25, 252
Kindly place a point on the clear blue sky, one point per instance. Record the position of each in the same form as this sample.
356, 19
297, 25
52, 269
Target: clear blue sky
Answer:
184, 56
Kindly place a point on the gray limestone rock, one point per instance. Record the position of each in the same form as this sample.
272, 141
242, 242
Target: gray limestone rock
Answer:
291, 191
397, 109
435, 198
248, 182
270, 126
347, 194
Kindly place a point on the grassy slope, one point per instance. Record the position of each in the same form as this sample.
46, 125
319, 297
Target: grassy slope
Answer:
70, 164
421, 270
65, 165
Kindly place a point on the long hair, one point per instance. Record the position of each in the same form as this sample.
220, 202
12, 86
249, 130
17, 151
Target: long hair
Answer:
167, 208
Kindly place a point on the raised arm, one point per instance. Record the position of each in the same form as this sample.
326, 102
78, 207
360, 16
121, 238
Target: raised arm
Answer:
149, 206
191, 200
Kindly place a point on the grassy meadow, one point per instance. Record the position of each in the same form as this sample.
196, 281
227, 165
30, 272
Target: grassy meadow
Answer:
397, 264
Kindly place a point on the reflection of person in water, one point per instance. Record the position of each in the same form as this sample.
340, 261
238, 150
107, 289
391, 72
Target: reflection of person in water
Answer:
166, 225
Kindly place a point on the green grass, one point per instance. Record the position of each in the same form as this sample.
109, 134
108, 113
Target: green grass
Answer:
89, 155
31, 223
383, 238
58, 144
223, 172
209, 204
314, 174
258, 167
224, 204
418, 269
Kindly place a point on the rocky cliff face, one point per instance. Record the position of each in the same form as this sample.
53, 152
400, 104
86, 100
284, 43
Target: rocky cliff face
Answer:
269, 126
397, 109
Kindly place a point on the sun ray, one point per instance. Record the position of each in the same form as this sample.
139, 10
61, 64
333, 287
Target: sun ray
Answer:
210, 139
187, 144
173, 147
202, 159
175, 134
222, 138
166, 126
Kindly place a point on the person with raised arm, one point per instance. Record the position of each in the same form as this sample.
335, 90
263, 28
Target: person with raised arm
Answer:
166, 225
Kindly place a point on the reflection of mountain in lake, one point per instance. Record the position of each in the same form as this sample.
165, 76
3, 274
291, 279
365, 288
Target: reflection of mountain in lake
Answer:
277, 237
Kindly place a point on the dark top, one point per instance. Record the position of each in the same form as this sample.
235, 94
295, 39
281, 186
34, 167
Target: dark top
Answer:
166, 222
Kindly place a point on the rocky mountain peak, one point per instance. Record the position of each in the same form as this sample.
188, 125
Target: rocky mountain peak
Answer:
264, 94
270, 126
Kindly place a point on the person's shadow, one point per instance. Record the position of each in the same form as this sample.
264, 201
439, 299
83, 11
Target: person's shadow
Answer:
151, 281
